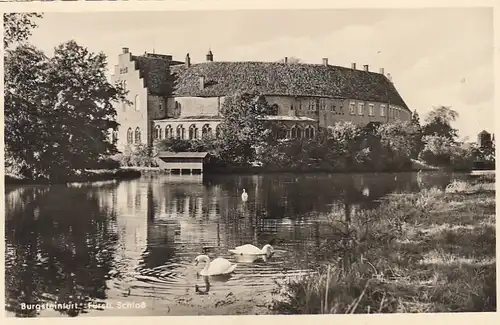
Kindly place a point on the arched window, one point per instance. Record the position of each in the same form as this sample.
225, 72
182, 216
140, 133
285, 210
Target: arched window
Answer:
130, 136
309, 132
137, 103
137, 135
181, 132
193, 132
206, 130
296, 132
168, 132
157, 133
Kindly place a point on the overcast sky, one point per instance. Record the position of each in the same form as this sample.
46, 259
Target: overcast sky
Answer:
435, 56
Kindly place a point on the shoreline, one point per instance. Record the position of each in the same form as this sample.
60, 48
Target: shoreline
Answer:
87, 176
128, 173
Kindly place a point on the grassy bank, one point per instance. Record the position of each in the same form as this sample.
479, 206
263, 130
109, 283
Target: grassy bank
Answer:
84, 176
432, 251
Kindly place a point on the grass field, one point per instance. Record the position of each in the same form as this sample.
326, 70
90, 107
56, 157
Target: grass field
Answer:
432, 251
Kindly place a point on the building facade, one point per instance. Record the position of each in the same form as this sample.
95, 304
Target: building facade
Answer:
168, 98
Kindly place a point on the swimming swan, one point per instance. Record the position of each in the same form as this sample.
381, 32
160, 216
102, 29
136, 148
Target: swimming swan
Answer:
249, 249
219, 266
244, 195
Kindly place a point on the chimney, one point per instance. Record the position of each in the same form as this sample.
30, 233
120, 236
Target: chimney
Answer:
202, 83
124, 50
286, 59
210, 56
365, 67
325, 62
353, 66
188, 61
381, 70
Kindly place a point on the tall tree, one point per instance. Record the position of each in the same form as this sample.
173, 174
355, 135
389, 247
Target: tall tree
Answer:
438, 123
244, 128
58, 110
18, 27
415, 119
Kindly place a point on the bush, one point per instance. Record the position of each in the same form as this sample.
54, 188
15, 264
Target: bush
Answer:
137, 156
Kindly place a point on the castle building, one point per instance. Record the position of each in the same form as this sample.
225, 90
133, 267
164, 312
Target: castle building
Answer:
169, 98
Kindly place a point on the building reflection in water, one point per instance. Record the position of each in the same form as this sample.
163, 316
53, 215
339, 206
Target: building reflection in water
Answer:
101, 241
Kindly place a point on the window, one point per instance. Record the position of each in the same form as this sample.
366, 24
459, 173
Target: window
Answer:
157, 133
193, 132
296, 132
181, 132
352, 108
371, 110
137, 105
311, 105
137, 135
361, 109
124, 105
123, 70
168, 132
160, 105
322, 104
309, 132
206, 130
382, 110
130, 136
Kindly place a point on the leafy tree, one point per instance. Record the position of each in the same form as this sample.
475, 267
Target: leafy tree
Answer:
244, 128
438, 122
58, 110
18, 27
415, 119
343, 144
398, 141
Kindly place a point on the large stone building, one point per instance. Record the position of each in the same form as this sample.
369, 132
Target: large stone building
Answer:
182, 99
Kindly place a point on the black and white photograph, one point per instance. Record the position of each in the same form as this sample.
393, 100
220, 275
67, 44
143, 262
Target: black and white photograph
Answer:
249, 162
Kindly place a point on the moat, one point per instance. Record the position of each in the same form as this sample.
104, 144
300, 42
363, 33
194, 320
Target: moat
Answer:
94, 247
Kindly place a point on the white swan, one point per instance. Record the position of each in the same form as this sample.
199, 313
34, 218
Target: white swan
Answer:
219, 266
249, 249
244, 195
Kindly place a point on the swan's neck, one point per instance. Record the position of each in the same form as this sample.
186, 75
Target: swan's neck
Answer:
206, 259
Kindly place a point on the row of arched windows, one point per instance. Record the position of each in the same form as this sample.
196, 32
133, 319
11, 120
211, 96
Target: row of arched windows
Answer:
180, 132
296, 132
134, 137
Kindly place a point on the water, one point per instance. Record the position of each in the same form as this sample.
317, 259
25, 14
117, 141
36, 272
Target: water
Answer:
136, 241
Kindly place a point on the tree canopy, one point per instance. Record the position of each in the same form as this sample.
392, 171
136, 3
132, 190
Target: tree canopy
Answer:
438, 122
18, 27
58, 110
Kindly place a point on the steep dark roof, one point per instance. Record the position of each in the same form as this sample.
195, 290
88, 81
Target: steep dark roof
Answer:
281, 79
153, 68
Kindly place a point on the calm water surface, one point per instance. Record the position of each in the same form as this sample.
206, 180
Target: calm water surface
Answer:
135, 241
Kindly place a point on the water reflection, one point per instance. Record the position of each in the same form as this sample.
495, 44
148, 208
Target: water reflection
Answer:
111, 241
